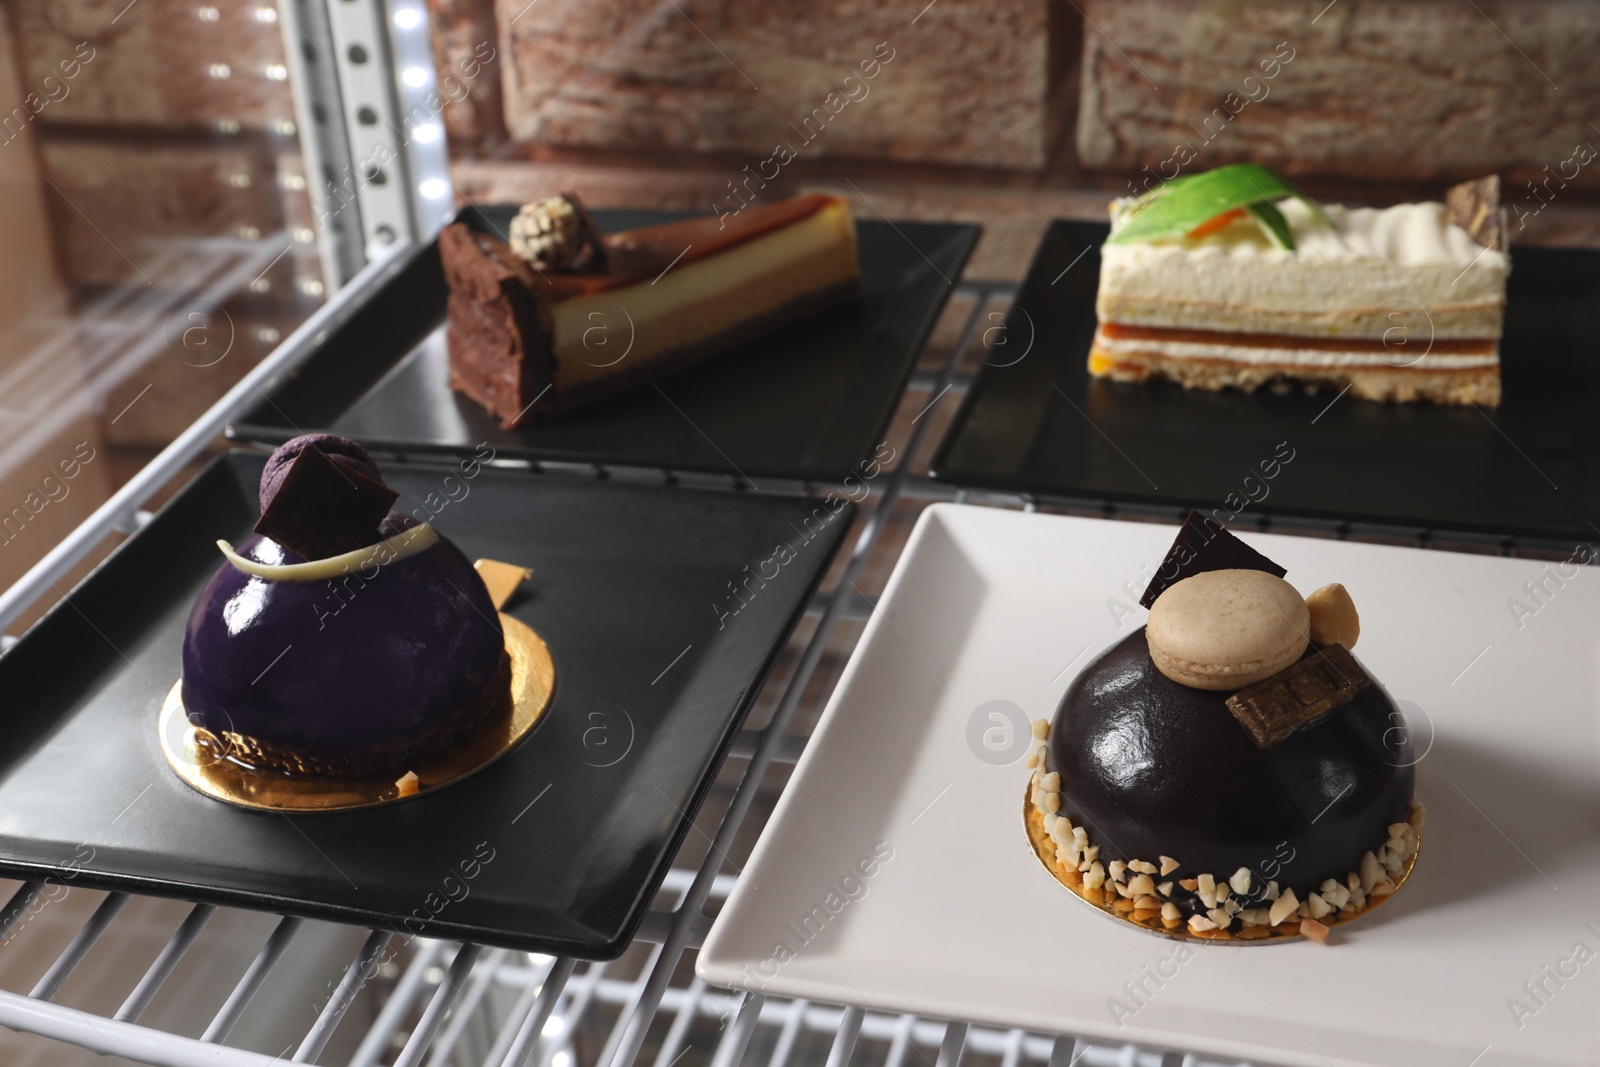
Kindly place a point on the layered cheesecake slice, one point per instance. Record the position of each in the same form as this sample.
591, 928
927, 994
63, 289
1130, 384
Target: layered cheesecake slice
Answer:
561, 315
1401, 303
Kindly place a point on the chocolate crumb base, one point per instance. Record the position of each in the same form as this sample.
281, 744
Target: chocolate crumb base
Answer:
1152, 921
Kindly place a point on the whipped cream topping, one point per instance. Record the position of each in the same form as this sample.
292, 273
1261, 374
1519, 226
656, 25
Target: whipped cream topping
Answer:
1408, 254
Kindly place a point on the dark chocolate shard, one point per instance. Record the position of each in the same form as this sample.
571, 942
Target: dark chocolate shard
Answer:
1204, 545
343, 451
1475, 207
1321, 680
592, 256
321, 508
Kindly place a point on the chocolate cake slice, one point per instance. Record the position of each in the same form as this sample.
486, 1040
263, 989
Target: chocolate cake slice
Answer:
561, 316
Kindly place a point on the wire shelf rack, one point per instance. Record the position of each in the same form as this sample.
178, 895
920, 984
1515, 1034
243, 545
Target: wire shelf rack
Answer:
409, 1002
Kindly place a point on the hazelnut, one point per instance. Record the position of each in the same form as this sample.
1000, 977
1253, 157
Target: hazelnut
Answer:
1333, 617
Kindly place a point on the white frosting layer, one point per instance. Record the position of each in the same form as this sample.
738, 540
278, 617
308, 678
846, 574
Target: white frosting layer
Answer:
1404, 255
1398, 358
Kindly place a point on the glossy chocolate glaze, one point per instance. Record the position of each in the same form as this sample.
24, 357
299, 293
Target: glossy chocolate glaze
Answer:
1154, 768
375, 661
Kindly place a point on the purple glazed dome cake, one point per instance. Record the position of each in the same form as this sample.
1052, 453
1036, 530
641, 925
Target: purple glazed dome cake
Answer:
341, 639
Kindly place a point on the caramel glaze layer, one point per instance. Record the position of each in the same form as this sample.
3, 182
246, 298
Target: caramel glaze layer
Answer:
1440, 346
642, 254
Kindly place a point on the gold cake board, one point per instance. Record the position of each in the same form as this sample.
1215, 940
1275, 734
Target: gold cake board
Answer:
533, 678
1044, 848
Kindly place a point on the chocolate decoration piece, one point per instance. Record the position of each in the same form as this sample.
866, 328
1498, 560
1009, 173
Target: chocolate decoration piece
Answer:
343, 451
1321, 680
1475, 207
321, 508
1153, 768
500, 579
592, 257
558, 235
1204, 545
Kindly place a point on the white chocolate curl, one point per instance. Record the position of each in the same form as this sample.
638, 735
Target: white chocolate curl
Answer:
403, 544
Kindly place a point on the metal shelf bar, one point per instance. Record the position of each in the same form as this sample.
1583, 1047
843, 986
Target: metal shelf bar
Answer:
1013, 1049
128, 1042
151, 983
680, 1024
901, 1042
355, 977
533, 1025
223, 1022
443, 997
519, 1010
79, 947
787, 1034
398, 1006
482, 977
844, 1039
620, 1030
950, 1049
585, 990
730, 1050
19, 903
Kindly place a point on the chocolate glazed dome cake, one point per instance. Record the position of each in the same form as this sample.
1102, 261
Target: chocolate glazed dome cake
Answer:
341, 640
1229, 771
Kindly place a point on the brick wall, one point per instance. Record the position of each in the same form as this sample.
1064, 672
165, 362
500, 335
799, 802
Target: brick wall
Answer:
1015, 111
1361, 89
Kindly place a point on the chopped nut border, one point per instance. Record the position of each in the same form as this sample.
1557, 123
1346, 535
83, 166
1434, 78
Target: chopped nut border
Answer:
1127, 890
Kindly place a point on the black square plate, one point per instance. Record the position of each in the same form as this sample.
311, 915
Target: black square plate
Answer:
806, 403
578, 824
1040, 424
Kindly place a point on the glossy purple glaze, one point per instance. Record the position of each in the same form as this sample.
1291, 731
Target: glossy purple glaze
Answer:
337, 668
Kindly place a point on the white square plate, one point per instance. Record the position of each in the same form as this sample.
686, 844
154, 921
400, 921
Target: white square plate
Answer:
961, 921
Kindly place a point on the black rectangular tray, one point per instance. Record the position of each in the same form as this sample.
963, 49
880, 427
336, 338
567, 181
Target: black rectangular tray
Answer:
1040, 424
578, 824
805, 403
